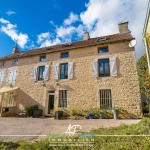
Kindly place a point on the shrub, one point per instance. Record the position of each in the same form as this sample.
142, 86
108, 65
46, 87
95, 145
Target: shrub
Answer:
73, 112
29, 110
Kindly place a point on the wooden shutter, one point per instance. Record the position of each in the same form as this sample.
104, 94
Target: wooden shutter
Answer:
70, 70
10, 79
113, 66
95, 68
46, 72
14, 76
56, 72
35, 73
1, 76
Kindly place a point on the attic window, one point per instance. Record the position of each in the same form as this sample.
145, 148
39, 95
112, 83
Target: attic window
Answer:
49, 48
64, 55
67, 45
103, 50
101, 39
15, 62
43, 58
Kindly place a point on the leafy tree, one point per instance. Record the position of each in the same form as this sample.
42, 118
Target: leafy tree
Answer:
144, 76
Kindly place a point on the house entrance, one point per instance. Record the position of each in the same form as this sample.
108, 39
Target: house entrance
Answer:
51, 96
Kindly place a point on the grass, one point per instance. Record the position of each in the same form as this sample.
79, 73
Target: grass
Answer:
100, 142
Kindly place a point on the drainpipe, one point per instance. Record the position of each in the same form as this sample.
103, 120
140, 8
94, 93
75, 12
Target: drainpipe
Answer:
147, 53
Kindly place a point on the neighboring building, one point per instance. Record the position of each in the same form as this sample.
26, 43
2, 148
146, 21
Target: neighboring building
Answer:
146, 33
95, 72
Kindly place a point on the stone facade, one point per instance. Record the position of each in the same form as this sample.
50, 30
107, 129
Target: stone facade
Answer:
83, 89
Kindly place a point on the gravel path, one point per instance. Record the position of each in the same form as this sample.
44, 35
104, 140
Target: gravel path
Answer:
16, 128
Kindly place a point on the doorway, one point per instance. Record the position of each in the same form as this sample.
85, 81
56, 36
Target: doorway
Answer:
51, 97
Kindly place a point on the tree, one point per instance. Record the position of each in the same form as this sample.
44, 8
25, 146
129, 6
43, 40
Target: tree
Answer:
144, 76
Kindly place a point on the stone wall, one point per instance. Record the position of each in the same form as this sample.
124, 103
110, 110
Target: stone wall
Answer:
83, 89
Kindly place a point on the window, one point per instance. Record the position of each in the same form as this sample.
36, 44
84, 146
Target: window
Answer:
64, 71
64, 55
105, 99
41, 72
42, 58
15, 62
9, 99
104, 67
2, 64
12, 76
63, 98
103, 50
1, 77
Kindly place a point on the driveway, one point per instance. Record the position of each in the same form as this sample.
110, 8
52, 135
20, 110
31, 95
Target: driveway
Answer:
14, 129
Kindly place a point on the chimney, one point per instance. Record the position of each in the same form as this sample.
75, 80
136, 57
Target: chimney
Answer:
15, 49
123, 27
86, 36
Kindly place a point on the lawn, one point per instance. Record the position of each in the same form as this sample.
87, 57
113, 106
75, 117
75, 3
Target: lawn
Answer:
124, 137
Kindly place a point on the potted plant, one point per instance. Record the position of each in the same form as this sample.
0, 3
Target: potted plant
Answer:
91, 113
115, 112
58, 114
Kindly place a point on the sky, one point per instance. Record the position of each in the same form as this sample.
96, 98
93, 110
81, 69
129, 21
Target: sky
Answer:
41, 23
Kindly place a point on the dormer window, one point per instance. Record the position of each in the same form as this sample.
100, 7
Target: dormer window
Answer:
43, 58
2, 64
15, 62
64, 55
103, 50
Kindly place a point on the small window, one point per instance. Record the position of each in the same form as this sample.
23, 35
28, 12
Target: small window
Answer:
64, 55
63, 98
103, 65
2, 64
41, 73
15, 62
103, 50
42, 58
64, 71
105, 99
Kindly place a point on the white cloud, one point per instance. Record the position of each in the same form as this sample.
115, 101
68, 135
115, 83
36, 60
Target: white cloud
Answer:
10, 12
45, 39
43, 36
72, 18
2, 20
51, 22
11, 31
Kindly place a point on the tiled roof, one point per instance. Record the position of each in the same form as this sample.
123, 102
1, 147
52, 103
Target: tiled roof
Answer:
78, 44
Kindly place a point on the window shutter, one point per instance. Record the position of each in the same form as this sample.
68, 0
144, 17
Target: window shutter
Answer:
46, 72
14, 76
56, 71
2, 77
35, 73
70, 70
113, 66
95, 68
10, 76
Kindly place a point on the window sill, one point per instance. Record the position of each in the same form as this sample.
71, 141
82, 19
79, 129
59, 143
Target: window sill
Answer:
64, 79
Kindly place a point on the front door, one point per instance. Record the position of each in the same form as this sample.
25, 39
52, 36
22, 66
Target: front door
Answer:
50, 104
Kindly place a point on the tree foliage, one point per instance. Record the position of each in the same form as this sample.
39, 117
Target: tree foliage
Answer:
144, 76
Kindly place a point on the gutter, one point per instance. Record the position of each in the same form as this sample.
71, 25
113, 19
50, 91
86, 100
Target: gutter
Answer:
147, 54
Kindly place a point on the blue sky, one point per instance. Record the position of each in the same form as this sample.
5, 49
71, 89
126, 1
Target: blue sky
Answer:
40, 23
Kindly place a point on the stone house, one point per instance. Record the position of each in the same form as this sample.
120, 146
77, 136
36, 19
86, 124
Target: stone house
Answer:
95, 72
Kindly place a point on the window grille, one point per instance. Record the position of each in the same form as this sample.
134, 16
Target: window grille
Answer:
105, 99
63, 98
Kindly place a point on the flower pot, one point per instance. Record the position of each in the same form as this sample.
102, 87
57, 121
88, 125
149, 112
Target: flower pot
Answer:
58, 114
91, 116
101, 116
115, 112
